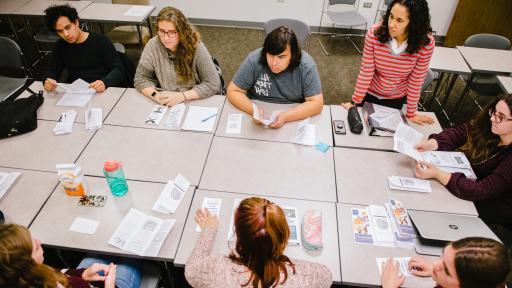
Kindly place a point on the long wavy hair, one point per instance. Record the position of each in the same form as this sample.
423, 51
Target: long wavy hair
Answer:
16, 263
189, 39
262, 234
481, 141
418, 29
480, 262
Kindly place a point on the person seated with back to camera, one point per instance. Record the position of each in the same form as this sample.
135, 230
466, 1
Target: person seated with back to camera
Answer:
280, 72
175, 66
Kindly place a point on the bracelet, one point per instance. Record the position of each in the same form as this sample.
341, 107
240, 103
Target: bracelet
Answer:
184, 96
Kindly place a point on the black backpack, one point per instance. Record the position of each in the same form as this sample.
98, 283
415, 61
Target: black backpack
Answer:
19, 116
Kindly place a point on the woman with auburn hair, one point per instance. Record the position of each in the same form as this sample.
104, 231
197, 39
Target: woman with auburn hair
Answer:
175, 66
473, 262
258, 260
21, 263
395, 61
486, 142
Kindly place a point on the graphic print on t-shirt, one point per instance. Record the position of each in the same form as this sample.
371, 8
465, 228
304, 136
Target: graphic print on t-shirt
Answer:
262, 85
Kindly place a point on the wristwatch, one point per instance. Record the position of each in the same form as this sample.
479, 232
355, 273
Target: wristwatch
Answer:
154, 93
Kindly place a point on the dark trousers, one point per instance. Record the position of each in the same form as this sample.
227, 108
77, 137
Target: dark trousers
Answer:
392, 103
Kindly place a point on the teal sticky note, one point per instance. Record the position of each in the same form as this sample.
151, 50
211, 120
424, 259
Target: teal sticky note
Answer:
322, 147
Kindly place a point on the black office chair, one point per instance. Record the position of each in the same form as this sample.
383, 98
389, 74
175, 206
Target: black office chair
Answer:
13, 75
300, 28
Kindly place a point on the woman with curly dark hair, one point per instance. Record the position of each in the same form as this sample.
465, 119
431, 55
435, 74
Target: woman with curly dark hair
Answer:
396, 57
486, 141
175, 66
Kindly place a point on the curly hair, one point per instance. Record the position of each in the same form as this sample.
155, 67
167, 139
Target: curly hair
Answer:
54, 12
418, 29
189, 39
16, 263
481, 141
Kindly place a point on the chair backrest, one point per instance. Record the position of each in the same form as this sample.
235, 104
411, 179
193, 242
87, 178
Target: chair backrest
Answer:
489, 41
428, 80
346, 2
300, 28
11, 56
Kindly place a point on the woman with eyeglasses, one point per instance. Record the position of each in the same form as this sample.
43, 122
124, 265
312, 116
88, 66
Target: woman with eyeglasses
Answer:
486, 142
175, 66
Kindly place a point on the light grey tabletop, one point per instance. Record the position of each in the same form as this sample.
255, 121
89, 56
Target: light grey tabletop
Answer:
269, 169
133, 109
250, 130
27, 195
41, 150
329, 255
50, 111
9, 6
364, 141
353, 170
115, 13
505, 83
37, 7
148, 154
449, 60
358, 261
487, 60
52, 224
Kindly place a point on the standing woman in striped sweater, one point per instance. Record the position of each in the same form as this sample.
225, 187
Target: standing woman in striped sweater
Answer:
396, 57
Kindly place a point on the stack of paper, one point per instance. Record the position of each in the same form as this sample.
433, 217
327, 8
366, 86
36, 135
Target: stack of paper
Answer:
175, 116
450, 162
212, 205
76, 94
93, 119
361, 226
403, 263
402, 225
141, 234
6, 182
409, 184
266, 122
171, 196
305, 134
386, 118
200, 118
156, 115
65, 124
381, 225
138, 10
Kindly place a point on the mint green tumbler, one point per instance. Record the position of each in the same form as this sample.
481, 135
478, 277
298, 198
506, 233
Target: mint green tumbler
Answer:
115, 177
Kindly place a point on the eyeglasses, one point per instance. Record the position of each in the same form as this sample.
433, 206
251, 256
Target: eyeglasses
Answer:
170, 34
498, 117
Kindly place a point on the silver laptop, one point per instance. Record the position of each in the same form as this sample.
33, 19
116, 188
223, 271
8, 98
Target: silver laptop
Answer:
436, 229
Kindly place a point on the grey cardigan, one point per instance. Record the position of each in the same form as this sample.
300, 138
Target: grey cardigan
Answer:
156, 69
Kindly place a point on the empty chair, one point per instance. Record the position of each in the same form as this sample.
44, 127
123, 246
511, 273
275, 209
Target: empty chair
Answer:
13, 75
343, 13
300, 28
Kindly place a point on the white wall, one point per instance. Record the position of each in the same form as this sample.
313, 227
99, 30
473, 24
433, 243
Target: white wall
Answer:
309, 11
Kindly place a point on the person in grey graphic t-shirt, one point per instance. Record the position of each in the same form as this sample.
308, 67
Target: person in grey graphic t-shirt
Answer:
280, 72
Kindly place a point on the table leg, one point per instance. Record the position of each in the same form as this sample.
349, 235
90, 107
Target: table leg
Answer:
436, 89
149, 26
462, 95
139, 32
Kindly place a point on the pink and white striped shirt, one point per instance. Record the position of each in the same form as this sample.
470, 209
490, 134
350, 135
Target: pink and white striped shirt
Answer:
386, 75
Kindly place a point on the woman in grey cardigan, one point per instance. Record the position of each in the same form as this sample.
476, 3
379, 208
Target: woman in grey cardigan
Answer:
175, 66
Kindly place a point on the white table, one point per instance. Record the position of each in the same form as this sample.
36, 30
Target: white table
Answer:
364, 141
506, 84
50, 111
360, 181
329, 255
37, 7
269, 169
52, 224
27, 195
148, 154
133, 109
358, 264
487, 60
250, 130
41, 150
9, 6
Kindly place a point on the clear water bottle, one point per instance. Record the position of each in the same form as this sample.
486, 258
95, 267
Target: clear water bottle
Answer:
115, 177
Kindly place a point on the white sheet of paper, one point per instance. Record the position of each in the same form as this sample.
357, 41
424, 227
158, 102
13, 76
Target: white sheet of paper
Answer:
213, 206
404, 140
6, 181
83, 225
175, 116
292, 217
306, 133
266, 122
93, 119
402, 263
137, 10
76, 94
65, 124
409, 184
386, 117
159, 238
171, 195
381, 225
156, 115
234, 123
200, 118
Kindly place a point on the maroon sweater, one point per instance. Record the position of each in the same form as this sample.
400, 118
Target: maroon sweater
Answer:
492, 192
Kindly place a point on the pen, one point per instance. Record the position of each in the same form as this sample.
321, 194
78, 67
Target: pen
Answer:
208, 118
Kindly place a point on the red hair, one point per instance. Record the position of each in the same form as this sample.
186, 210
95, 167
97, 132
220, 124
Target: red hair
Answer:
262, 234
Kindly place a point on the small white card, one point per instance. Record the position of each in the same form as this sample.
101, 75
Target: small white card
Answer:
403, 262
409, 184
137, 10
306, 133
93, 119
65, 124
266, 122
175, 116
234, 124
156, 115
212, 205
83, 225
